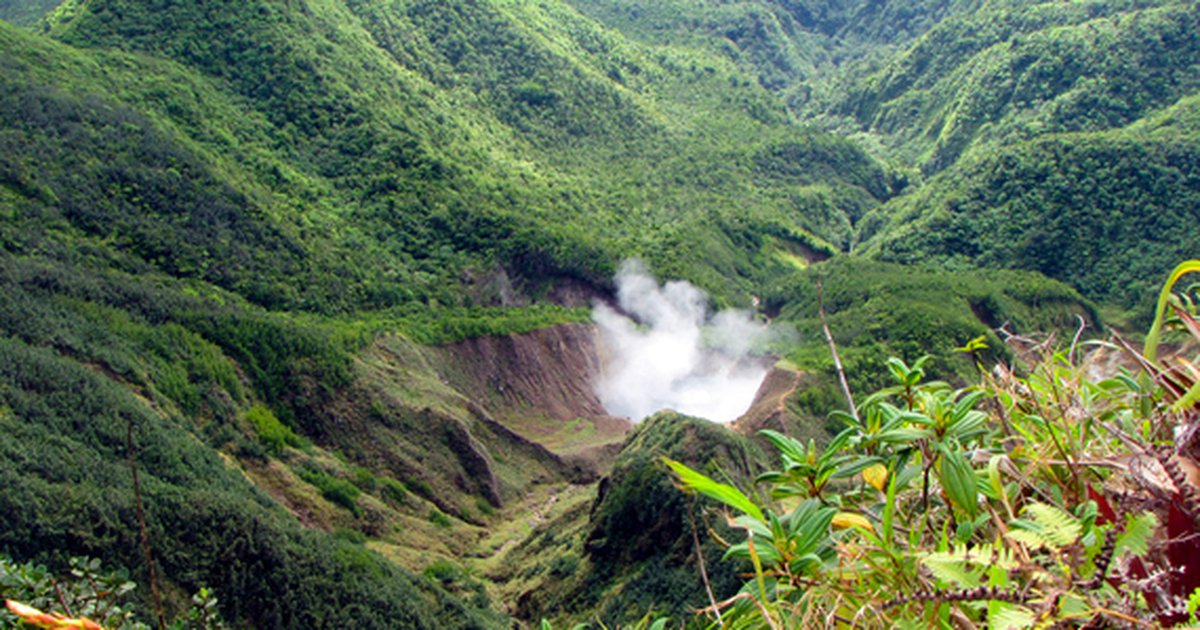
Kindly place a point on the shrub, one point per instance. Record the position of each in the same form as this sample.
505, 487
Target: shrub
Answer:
338, 491
1008, 503
440, 519
271, 432
392, 491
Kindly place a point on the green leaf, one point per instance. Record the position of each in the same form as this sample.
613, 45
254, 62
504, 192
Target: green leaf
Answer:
958, 478
1188, 399
1058, 528
904, 435
790, 448
1160, 310
1005, 616
726, 494
952, 569
994, 478
1029, 538
1136, 538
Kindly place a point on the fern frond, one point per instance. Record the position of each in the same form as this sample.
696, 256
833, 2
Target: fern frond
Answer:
954, 570
1136, 538
1028, 537
1059, 528
1005, 616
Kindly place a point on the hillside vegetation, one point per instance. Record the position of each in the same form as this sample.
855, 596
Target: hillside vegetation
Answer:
326, 266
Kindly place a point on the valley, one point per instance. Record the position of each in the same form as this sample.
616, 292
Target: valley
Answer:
398, 306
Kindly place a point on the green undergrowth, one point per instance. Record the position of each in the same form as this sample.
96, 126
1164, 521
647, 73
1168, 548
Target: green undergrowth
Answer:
876, 310
1000, 502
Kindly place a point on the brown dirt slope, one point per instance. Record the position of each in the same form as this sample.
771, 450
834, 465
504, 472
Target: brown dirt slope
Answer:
539, 385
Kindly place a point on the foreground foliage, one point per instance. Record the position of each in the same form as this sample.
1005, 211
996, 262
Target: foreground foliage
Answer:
1039, 499
90, 597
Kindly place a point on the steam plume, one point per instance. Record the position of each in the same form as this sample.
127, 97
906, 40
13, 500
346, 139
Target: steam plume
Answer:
680, 357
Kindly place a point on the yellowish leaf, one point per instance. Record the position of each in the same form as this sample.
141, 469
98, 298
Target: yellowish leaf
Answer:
844, 520
876, 476
49, 621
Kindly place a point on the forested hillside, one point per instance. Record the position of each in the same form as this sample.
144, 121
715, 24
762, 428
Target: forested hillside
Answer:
1039, 121
325, 266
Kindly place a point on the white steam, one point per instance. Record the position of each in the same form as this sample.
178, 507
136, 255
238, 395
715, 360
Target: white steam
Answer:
680, 357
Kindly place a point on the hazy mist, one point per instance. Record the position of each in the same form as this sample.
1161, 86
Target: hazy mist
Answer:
676, 355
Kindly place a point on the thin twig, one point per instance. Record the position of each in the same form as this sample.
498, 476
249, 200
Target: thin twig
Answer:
141, 518
704, 572
837, 361
61, 600
1075, 341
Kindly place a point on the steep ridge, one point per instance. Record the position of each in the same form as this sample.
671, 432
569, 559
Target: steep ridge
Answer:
769, 410
67, 484
25, 12
789, 47
631, 548
551, 147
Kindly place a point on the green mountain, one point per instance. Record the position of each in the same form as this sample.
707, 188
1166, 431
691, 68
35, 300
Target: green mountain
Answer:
25, 12
1015, 71
1075, 207
325, 265
1040, 125
411, 149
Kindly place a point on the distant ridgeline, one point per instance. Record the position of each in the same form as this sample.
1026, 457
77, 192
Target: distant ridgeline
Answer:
235, 230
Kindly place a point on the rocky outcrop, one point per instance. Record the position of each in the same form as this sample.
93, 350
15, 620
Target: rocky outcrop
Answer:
769, 409
550, 371
540, 386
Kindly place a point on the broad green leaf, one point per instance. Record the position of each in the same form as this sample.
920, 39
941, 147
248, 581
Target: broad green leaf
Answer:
860, 465
966, 404
904, 435
724, 493
788, 446
958, 479
814, 522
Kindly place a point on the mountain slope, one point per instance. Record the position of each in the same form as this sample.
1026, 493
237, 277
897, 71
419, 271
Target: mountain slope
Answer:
1018, 70
551, 146
25, 12
78, 383
242, 225
1074, 207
